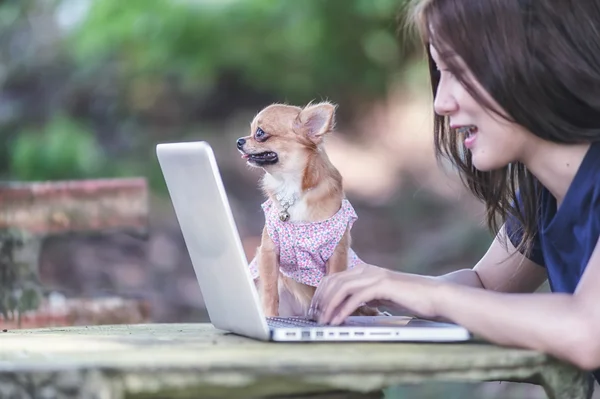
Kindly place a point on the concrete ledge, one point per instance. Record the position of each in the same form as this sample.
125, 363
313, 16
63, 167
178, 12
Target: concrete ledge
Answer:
196, 360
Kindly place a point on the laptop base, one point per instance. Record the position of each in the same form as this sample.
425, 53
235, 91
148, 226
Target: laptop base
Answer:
365, 328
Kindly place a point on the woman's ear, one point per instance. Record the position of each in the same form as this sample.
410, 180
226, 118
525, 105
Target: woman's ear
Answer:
316, 120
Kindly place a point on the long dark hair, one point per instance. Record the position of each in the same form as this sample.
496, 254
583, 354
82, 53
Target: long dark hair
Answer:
540, 61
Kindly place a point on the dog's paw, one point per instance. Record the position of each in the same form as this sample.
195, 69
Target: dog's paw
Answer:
367, 311
271, 311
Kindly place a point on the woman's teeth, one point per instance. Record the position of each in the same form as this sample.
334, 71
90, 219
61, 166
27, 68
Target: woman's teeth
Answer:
469, 134
467, 130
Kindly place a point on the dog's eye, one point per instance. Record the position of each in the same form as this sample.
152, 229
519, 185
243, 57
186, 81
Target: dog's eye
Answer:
260, 134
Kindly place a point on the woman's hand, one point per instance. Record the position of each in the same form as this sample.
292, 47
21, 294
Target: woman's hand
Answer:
340, 294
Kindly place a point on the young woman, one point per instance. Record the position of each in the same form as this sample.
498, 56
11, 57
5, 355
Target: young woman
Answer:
517, 110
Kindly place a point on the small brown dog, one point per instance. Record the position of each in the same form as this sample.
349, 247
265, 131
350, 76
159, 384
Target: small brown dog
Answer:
307, 217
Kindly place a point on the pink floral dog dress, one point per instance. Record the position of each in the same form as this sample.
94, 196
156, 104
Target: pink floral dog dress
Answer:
304, 248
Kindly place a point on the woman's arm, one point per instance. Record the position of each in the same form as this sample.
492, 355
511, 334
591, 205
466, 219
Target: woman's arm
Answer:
566, 326
567, 318
498, 270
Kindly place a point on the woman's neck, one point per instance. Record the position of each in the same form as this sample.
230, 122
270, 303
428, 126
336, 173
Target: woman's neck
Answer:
555, 165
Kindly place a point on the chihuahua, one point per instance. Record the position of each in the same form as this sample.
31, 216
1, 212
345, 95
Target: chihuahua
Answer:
307, 217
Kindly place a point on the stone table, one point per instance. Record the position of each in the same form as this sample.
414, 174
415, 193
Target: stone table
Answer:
196, 361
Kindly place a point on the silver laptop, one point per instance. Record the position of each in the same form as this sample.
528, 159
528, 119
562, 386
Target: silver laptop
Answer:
202, 209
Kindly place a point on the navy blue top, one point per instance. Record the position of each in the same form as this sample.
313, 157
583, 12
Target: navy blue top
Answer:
567, 237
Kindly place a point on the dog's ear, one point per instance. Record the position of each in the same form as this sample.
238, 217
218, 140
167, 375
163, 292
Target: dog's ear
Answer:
315, 120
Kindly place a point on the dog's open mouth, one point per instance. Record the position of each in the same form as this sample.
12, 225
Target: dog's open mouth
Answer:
262, 158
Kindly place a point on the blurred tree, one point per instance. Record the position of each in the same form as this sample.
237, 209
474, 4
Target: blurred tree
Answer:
295, 51
63, 150
82, 79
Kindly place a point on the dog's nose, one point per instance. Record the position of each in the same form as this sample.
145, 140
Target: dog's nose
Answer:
240, 143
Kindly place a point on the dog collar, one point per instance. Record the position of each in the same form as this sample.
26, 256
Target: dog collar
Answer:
285, 203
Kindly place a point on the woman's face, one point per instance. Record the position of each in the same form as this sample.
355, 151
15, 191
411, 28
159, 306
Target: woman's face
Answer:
493, 141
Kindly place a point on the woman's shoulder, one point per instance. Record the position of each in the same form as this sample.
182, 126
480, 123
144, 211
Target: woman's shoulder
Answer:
584, 191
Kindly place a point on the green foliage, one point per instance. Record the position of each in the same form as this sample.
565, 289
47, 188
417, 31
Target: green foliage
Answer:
297, 50
140, 68
62, 149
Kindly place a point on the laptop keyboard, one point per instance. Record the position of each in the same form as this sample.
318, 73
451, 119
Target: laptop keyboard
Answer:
290, 322
304, 322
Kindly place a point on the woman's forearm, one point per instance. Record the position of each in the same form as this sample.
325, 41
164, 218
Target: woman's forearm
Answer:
467, 277
551, 323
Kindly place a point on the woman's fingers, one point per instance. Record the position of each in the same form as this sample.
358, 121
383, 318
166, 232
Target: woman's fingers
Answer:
329, 285
352, 302
334, 289
343, 288
341, 294
317, 299
322, 298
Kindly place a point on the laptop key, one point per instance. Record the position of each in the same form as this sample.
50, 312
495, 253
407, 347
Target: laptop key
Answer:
291, 322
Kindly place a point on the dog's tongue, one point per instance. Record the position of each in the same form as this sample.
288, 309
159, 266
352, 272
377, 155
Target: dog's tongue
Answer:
245, 156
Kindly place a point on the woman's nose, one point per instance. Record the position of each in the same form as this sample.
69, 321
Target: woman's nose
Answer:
444, 104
